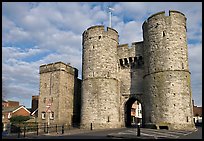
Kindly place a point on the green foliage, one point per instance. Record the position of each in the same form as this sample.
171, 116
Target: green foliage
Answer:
19, 119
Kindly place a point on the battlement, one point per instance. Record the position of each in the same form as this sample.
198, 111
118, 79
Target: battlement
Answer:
161, 15
58, 66
100, 28
157, 15
98, 32
130, 56
125, 51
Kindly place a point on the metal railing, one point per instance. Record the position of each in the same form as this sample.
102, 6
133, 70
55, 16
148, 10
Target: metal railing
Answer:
40, 129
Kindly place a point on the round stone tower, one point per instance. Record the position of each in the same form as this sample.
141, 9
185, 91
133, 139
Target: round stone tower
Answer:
167, 88
100, 92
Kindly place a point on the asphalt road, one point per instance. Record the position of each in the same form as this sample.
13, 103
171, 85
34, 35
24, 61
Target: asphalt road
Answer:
194, 135
122, 133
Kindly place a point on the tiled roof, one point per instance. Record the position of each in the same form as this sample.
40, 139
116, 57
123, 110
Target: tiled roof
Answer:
9, 109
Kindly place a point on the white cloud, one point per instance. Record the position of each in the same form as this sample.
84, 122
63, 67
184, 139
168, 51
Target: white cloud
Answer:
51, 32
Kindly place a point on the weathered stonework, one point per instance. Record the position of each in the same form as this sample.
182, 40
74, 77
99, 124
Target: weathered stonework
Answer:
100, 94
58, 87
155, 72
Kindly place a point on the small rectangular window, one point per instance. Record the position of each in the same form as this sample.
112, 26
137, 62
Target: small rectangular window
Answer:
126, 61
43, 115
44, 100
121, 62
52, 115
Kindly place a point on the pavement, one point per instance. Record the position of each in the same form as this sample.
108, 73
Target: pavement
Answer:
120, 133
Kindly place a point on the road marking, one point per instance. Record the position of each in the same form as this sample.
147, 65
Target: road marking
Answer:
172, 132
160, 134
156, 133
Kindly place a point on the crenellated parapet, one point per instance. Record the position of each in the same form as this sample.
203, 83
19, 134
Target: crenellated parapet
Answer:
159, 19
130, 56
58, 66
98, 33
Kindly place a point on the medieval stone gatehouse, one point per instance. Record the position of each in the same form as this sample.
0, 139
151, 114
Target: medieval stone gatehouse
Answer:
155, 72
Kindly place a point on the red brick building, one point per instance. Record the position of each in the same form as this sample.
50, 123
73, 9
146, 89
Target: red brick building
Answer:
10, 103
12, 108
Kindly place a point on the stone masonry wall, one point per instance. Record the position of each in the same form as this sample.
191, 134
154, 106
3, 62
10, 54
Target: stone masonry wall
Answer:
166, 76
131, 68
57, 87
100, 91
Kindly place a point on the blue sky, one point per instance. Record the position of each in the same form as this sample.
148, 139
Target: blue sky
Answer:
34, 34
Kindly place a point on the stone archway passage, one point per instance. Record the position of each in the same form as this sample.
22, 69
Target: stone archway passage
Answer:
129, 121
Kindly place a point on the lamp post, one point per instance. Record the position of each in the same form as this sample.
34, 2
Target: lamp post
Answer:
48, 110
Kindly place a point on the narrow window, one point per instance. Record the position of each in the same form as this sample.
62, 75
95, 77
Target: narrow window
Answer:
135, 59
43, 115
99, 37
182, 66
44, 100
121, 62
187, 118
52, 115
130, 59
108, 75
93, 47
108, 119
163, 34
156, 25
126, 61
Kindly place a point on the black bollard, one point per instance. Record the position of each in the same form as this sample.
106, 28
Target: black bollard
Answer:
56, 127
24, 130
63, 129
91, 126
37, 129
19, 132
44, 127
138, 130
47, 128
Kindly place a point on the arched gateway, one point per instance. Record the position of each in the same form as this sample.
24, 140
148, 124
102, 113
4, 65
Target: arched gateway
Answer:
154, 72
130, 111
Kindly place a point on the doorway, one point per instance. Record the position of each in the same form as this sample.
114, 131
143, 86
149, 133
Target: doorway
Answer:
133, 112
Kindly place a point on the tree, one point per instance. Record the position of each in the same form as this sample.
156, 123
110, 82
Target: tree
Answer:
16, 123
19, 119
